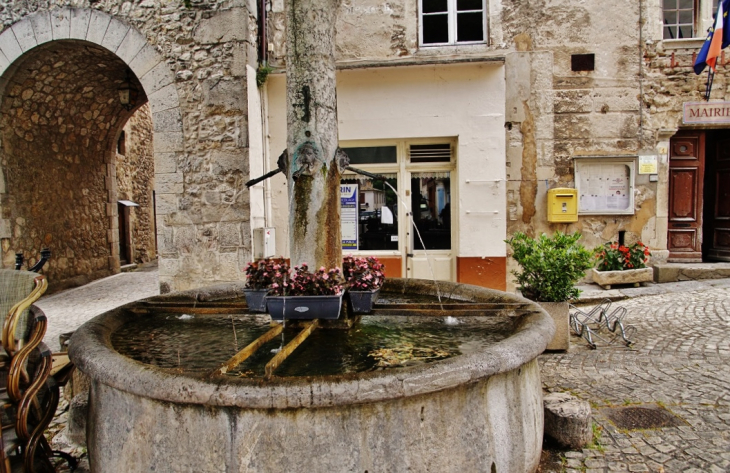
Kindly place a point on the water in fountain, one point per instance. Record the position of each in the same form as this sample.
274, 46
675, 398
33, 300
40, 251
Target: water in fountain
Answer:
202, 343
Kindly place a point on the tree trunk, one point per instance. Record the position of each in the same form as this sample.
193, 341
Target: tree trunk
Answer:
313, 173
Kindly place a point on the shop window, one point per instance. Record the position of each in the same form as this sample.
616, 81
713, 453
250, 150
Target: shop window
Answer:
369, 214
376, 210
445, 22
687, 18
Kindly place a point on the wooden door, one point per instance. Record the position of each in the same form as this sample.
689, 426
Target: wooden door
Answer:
717, 226
686, 176
125, 243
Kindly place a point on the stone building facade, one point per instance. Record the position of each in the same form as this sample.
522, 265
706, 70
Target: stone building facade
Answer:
61, 65
507, 100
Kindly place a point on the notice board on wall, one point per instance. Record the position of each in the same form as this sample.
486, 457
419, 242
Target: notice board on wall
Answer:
605, 185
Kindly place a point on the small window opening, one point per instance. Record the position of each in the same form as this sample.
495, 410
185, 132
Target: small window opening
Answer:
582, 62
122, 144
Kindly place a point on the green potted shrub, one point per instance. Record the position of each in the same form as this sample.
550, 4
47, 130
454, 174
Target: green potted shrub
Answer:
622, 264
549, 269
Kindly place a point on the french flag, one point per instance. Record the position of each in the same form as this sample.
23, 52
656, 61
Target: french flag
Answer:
718, 37
716, 43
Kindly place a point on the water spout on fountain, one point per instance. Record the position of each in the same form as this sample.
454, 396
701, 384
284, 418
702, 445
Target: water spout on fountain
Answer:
418, 233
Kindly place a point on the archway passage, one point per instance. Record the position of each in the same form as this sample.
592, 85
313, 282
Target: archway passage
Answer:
60, 119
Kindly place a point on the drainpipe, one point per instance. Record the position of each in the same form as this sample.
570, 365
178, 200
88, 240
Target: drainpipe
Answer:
641, 74
262, 32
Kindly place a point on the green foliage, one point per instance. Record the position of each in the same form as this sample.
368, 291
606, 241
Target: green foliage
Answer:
262, 73
615, 257
550, 266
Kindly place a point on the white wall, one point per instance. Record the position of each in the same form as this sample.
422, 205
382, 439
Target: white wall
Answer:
462, 100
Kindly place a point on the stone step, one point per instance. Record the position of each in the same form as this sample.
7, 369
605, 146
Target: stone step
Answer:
672, 272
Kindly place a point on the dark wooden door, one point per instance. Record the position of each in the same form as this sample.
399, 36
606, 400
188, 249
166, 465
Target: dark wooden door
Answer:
686, 176
717, 225
125, 244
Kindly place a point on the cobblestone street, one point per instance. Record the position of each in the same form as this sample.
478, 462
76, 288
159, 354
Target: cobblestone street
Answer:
680, 362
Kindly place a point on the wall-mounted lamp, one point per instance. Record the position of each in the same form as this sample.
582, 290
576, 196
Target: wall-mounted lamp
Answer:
128, 93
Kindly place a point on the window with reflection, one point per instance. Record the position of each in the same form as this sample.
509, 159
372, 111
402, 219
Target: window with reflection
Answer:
369, 213
431, 204
445, 22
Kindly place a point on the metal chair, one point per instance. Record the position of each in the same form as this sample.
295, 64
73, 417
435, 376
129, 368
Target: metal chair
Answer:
28, 393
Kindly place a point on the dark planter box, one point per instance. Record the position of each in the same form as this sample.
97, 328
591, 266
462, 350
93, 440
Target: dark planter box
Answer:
304, 307
362, 301
256, 300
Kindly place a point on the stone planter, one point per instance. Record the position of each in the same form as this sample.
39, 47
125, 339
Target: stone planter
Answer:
559, 313
362, 301
256, 300
606, 279
304, 307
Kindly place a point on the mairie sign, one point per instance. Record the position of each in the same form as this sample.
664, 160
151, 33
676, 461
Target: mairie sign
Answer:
706, 112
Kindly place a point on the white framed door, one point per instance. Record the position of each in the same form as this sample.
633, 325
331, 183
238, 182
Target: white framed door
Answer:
430, 251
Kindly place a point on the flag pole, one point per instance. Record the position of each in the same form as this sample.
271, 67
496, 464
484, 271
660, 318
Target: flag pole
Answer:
710, 77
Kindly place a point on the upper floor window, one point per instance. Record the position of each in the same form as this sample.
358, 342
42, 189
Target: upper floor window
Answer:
446, 22
687, 18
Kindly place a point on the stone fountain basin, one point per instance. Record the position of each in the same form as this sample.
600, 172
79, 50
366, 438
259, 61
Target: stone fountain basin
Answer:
478, 412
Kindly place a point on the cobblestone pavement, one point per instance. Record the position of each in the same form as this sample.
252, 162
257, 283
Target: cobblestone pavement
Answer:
67, 310
680, 363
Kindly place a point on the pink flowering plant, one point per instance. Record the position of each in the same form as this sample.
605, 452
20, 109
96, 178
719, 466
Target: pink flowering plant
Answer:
615, 257
302, 282
363, 274
261, 274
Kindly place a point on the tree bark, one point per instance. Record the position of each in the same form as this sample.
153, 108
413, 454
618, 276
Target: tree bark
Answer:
313, 173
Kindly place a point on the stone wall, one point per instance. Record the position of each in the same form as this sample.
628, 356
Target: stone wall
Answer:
135, 172
56, 162
190, 60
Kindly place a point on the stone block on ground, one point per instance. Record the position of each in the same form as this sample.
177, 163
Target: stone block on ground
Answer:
567, 420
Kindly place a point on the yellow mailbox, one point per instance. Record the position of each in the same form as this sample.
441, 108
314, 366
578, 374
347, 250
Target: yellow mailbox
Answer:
562, 205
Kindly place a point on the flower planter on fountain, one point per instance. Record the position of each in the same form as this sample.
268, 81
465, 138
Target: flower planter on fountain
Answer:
363, 301
256, 300
304, 307
259, 277
306, 296
364, 277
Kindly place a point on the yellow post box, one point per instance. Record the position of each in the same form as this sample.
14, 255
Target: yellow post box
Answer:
562, 205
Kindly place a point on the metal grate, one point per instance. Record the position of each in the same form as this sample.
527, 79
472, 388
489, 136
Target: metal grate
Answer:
641, 417
437, 153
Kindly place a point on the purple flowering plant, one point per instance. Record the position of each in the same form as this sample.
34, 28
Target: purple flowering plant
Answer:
302, 282
261, 274
363, 274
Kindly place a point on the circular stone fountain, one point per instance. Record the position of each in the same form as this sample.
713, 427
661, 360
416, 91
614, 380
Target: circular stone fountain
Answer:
476, 412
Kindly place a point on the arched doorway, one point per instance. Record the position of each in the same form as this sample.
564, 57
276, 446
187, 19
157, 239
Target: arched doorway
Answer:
60, 121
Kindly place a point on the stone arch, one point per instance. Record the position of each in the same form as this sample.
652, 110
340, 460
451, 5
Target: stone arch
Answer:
76, 33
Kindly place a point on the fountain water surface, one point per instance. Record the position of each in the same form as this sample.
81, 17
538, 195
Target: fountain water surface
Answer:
465, 406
